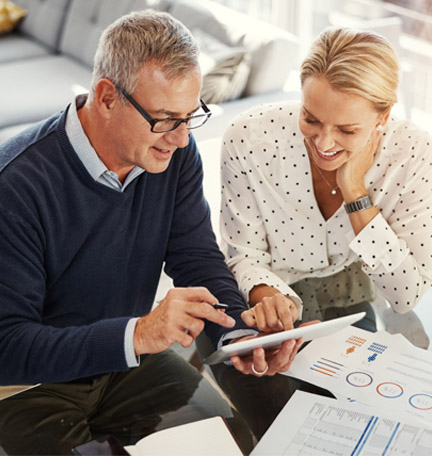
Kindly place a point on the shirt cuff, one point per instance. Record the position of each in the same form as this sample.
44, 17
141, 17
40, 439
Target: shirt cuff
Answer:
236, 335
131, 359
378, 246
256, 277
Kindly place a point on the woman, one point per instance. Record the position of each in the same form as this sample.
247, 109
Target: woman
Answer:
322, 203
327, 201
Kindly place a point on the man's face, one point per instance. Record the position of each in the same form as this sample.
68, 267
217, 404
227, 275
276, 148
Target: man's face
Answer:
134, 144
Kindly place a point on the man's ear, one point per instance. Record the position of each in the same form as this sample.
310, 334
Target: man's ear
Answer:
106, 96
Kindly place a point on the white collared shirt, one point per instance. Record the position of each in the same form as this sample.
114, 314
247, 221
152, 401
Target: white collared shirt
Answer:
85, 151
274, 233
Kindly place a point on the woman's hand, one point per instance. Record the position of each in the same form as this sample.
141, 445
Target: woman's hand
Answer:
351, 175
271, 361
272, 314
268, 362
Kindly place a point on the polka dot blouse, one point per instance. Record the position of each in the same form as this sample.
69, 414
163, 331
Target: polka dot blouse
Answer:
274, 233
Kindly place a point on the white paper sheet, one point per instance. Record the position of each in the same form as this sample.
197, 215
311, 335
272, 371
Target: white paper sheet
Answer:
376, 369
312, 425
210, 437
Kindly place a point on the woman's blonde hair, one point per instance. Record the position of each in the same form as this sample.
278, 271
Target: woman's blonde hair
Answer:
359, 62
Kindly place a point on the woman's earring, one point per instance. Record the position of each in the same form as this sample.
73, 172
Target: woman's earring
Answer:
379, 127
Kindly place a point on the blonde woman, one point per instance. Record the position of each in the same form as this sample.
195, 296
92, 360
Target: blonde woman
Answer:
328, 201
324, 202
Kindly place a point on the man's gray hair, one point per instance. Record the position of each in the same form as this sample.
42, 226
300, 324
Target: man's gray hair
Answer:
140, 37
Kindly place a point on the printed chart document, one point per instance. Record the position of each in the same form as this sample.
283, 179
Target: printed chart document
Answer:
312, 425
210, 437
378, 369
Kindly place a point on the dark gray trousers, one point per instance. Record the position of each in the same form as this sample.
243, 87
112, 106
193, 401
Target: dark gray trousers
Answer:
163, 391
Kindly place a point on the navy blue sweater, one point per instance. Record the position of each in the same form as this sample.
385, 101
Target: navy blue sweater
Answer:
79, 259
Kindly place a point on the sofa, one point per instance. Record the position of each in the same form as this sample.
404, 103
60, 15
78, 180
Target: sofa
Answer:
47, 60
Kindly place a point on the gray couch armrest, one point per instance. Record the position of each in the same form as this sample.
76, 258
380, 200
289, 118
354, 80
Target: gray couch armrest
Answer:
16, 47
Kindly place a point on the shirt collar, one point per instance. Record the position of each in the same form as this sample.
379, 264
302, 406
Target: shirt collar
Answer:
86, 153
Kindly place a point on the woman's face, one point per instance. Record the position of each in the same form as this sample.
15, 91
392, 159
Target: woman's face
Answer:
335, 124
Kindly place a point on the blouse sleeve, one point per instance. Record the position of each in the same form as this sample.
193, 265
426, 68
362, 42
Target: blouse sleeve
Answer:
244, 238
396, 246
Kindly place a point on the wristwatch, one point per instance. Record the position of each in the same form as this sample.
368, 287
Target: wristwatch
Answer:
359, 205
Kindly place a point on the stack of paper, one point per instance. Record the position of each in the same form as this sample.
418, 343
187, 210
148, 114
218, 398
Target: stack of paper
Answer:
315, 426
377, 369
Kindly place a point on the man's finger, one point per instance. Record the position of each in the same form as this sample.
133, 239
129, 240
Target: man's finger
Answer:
206, 311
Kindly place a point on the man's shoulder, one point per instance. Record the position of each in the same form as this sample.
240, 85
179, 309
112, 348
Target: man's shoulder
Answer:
29, 138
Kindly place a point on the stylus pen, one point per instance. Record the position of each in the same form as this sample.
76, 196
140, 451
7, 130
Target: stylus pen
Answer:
219, 305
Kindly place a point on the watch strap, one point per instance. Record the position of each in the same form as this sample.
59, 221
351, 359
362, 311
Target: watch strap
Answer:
359, 205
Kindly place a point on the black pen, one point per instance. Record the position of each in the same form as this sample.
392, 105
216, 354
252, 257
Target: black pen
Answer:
219, 305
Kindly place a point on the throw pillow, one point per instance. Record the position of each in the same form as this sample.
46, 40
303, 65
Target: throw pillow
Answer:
225, 69
10, 16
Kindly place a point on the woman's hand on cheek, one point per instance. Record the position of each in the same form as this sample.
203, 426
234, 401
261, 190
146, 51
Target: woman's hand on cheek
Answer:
350, 176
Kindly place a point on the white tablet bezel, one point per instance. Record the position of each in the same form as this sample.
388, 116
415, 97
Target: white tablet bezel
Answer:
307, 333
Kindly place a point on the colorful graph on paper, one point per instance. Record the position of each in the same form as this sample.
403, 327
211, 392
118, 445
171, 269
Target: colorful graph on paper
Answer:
327, 367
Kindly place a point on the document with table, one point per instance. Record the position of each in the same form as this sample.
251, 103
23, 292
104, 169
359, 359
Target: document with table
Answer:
383, 386
314, 425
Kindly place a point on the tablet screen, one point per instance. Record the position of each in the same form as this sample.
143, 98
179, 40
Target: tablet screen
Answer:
309, 332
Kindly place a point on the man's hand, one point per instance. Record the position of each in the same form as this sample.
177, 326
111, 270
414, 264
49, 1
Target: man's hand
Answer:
178, 318
272, 314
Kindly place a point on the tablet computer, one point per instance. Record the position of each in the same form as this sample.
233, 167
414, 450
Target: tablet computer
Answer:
309, 332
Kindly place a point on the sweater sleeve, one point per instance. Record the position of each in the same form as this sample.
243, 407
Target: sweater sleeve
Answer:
31, 351
193, 255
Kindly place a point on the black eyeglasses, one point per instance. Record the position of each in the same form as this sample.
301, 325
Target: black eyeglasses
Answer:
164, 125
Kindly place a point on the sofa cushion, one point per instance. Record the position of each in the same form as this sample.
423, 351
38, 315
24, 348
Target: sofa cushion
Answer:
10, 16
88, 18
273, 50
44, 20
17, 47
225, 69
42, 86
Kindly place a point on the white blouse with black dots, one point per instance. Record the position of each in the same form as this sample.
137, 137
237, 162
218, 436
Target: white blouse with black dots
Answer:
274, 233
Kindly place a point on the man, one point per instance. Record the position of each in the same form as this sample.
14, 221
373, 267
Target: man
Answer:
93, 202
